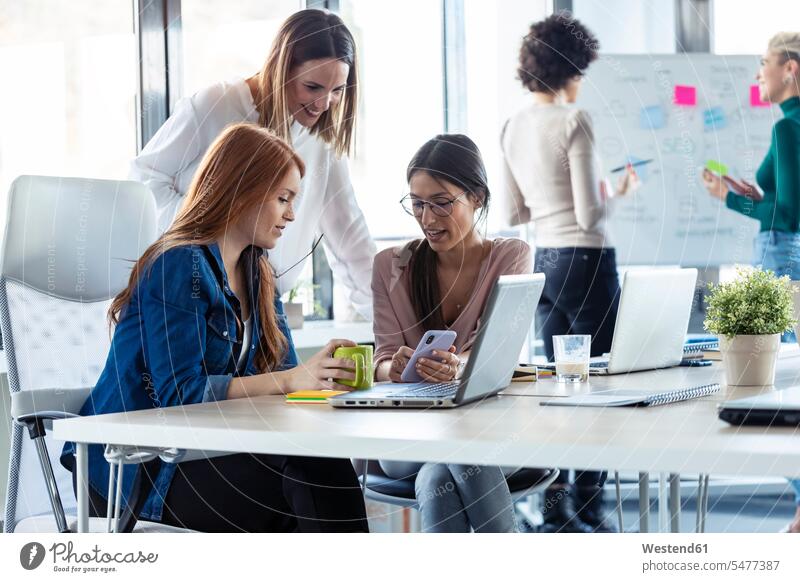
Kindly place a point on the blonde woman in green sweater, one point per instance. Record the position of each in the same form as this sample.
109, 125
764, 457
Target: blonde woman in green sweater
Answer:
775, 203
777, 246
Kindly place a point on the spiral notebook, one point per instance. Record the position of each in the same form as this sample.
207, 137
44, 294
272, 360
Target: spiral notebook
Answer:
696, 349
633, 397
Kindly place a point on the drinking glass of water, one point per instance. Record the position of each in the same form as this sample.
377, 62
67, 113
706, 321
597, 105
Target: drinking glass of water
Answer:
572, 357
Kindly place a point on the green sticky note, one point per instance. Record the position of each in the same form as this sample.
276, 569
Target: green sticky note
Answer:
717, 167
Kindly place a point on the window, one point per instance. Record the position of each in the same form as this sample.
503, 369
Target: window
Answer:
69, 107
744, 28
630, 26
493, 34
401, 103
223, 39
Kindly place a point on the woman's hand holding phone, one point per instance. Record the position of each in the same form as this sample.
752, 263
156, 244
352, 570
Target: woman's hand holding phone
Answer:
400, 360
441, 369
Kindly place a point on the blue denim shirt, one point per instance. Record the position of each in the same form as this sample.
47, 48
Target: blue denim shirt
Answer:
177, 342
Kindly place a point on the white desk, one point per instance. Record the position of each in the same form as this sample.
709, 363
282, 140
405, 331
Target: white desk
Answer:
511, 430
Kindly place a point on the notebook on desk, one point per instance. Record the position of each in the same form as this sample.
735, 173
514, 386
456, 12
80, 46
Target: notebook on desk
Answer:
698, 349
622, 397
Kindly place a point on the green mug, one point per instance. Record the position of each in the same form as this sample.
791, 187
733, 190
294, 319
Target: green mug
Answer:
362, 356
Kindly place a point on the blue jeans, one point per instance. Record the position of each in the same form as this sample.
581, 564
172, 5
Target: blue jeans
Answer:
452, 498
779, 252
456, 498
795, 483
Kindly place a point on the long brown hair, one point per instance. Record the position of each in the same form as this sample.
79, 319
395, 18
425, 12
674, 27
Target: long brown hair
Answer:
308, 35
242, 165
452, 158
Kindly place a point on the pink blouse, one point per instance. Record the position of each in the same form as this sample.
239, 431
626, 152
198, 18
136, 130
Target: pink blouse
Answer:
396, 323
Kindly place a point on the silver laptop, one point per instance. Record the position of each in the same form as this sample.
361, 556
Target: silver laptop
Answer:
777, 408
652, 321
505, 324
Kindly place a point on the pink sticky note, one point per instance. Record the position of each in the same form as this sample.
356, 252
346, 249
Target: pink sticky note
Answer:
685, 95
755, 98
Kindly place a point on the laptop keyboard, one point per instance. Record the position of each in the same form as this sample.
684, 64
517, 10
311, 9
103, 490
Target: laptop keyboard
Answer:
594, 365
427, 391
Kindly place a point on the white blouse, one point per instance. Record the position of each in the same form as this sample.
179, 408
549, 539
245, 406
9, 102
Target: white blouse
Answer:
326, 203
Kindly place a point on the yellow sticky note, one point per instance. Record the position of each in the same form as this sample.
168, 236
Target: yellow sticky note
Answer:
308, 395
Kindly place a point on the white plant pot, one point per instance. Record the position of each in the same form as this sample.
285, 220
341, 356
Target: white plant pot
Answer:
749, 360
294, 315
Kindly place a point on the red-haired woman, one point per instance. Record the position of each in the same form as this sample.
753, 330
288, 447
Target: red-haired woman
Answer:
200, 322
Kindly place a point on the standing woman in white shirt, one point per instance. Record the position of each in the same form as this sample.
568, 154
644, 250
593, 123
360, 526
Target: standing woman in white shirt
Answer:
306, 93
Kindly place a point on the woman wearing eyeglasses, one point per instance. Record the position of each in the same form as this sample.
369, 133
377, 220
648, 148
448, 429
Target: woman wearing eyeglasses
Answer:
443, 281
307, 93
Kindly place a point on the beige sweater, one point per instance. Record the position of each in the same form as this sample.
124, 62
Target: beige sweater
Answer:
551, 176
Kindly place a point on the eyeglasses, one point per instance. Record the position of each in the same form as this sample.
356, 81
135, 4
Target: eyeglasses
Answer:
415, 207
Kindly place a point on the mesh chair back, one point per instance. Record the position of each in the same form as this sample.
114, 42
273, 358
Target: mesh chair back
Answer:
68, 248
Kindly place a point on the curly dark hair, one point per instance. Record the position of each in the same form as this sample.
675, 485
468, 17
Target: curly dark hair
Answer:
555, 50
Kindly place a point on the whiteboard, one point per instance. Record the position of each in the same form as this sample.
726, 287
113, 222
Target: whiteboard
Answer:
672, 219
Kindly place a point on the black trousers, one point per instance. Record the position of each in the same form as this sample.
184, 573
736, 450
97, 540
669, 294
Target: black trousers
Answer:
581, 296
262, 493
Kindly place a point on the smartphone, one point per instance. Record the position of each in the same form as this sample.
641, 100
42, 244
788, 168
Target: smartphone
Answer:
438, 340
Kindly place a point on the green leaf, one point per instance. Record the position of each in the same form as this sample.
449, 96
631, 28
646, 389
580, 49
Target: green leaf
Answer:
755, 303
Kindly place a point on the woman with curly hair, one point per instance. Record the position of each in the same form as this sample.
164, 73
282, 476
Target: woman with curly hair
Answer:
551, 182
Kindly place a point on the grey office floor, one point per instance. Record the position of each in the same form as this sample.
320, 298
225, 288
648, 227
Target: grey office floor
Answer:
727, 513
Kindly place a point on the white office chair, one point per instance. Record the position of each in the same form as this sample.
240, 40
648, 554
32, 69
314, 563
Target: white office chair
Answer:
68, 248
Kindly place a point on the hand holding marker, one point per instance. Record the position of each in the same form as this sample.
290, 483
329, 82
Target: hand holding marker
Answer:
627, 183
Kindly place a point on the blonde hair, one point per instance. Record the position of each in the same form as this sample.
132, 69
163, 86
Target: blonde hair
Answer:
309, 35
786, 44
243, 165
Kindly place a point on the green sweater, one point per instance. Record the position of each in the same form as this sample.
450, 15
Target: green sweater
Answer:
778, 176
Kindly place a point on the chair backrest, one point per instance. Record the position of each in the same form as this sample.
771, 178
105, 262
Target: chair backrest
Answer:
68, 249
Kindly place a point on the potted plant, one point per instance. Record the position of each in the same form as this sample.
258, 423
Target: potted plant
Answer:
749, 314
294, 300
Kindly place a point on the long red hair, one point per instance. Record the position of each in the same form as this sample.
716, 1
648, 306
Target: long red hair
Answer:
245, 163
